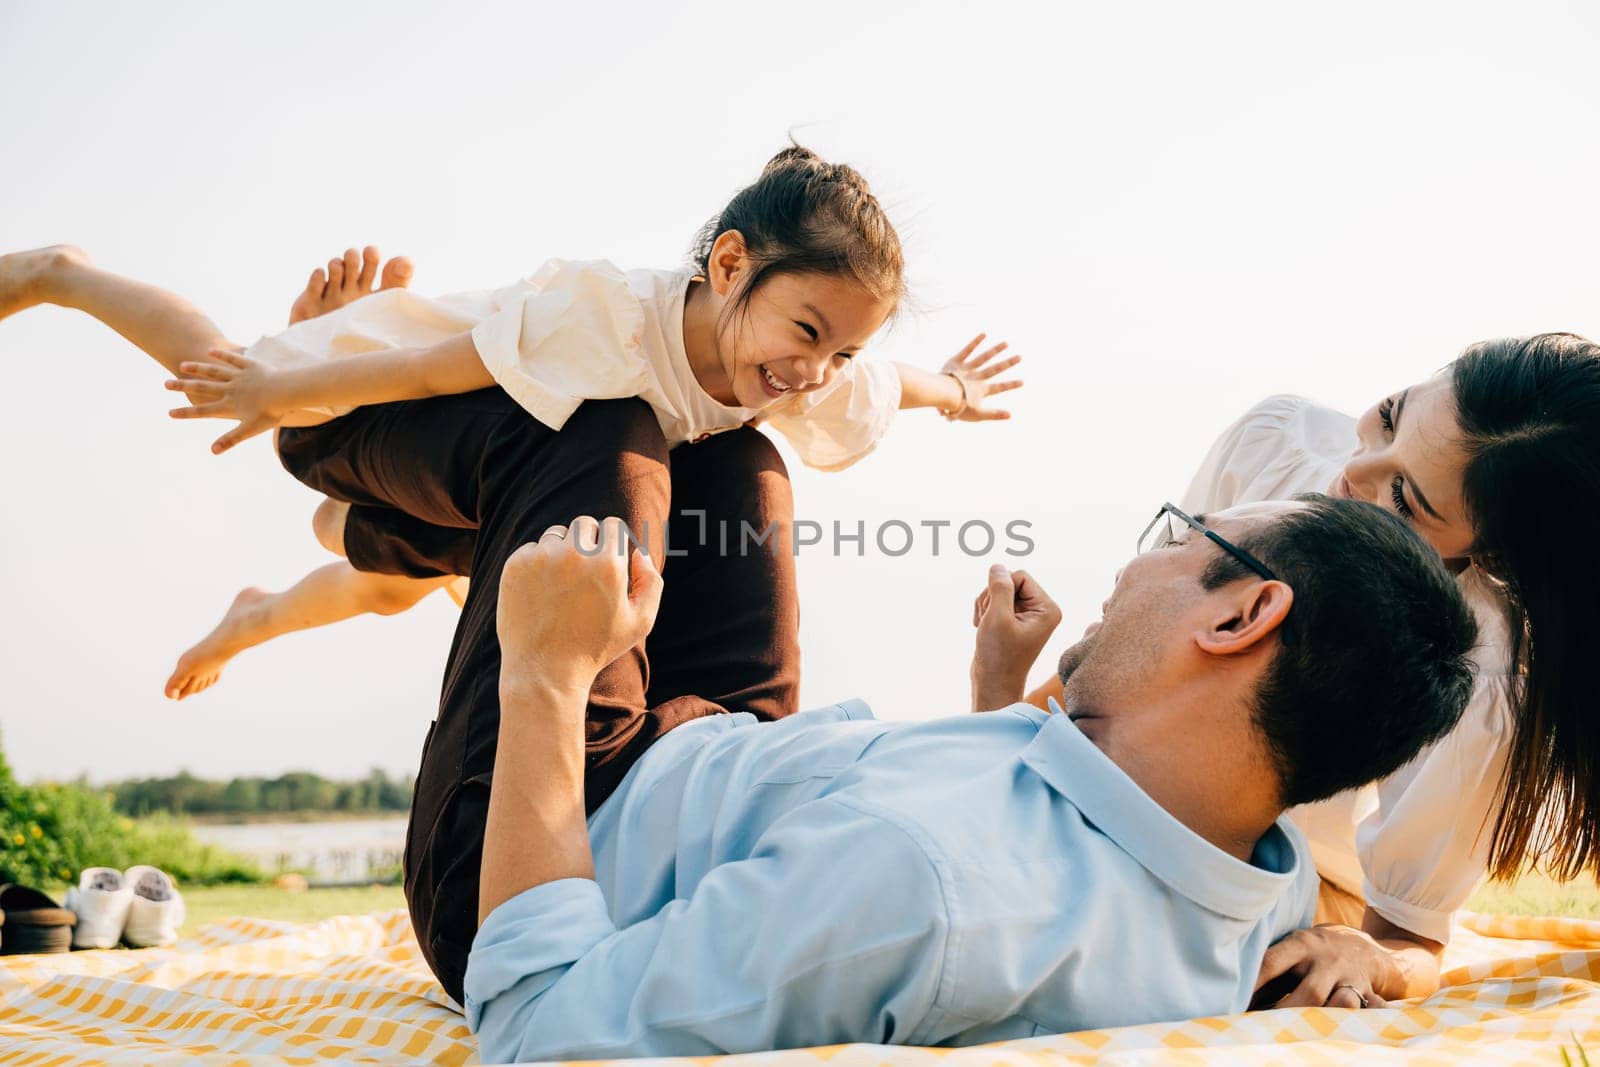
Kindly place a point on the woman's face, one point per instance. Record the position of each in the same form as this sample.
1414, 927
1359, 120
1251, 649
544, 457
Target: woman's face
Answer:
1409, 460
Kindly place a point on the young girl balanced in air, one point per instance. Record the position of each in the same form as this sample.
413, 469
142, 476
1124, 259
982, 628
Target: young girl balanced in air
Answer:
788, 283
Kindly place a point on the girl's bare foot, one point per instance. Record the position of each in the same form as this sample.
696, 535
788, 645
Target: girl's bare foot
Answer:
25, 276
348, 278
199, 668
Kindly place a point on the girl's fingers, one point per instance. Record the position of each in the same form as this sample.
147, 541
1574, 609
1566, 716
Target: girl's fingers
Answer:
242, 432
233, 357
987, 354
1005, 387
196, 388
972, 345
215, 372
987, 414
199, 411
997, 368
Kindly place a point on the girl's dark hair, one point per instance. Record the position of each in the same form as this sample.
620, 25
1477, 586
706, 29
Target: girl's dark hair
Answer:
806, 215
1529, 412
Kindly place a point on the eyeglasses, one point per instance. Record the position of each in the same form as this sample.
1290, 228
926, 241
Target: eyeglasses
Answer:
1161, 534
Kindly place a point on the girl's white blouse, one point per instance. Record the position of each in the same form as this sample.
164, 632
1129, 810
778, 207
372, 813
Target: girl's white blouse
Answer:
1414, 845
576, 331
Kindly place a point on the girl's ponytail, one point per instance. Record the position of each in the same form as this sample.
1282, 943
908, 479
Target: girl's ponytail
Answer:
806, 215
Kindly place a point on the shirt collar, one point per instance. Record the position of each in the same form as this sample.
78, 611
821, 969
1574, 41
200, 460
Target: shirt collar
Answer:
1189, 864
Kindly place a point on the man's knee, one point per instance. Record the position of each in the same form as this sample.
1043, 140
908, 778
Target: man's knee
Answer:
327, 522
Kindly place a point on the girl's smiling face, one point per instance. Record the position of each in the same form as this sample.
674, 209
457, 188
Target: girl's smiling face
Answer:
792, 336
1410, 461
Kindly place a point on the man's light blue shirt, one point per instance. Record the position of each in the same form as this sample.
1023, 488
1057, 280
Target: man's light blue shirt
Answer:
829, 878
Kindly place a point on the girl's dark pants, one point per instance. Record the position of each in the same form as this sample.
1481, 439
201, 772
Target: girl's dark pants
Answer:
454, 485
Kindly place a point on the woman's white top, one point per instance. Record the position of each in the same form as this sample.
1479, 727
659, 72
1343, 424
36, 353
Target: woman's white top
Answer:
576, 331
1414, 845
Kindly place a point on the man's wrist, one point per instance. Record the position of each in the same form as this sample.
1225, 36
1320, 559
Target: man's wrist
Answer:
534, 687
990, 692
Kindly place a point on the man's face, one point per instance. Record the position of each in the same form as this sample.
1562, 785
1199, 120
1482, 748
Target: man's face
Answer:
1145, 636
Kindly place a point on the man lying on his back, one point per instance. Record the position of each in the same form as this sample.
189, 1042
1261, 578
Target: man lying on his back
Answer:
829, 878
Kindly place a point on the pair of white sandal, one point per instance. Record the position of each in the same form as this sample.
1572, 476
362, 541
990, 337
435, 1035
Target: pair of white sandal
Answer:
140, 905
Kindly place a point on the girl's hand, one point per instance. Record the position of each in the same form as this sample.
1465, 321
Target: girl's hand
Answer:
977, 375
232, 386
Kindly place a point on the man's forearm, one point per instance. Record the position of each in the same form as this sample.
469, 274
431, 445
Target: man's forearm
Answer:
536, 830
450, 367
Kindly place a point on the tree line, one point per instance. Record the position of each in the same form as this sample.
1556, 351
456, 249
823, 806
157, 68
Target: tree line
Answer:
297, 791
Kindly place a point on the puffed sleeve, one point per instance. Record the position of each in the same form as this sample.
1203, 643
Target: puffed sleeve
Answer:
575, 336
1240, 457
768, 952
1425, 849
838, 425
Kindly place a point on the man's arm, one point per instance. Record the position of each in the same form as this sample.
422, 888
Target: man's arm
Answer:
832, 930
568, 606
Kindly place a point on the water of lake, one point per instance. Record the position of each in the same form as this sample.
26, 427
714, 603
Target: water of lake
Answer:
347, 850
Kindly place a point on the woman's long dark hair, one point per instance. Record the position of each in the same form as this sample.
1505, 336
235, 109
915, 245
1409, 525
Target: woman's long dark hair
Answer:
1529, 411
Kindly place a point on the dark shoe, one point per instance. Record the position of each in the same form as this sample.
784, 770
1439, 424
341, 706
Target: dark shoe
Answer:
33, 922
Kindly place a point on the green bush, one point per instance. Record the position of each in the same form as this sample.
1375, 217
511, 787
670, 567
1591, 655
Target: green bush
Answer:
50, 832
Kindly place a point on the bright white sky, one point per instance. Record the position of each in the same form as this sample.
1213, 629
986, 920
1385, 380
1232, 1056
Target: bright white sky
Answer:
1171, 209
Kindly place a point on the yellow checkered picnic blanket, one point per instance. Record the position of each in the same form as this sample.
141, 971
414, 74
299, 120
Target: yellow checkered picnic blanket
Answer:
355, 990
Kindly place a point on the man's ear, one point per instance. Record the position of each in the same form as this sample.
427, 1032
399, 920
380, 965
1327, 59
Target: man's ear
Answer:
1247, 618
727, 263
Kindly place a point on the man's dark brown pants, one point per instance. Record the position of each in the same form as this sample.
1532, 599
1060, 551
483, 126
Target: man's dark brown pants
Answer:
456, 485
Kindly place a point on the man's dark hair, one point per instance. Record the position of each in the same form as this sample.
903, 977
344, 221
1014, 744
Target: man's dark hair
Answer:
1377, 664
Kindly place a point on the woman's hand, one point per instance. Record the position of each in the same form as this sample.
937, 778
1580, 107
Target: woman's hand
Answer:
1328, 966
1015, 618
977, 375
232, 386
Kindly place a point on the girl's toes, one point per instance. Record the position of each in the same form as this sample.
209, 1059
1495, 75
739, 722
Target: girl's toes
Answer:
335, 276
396, 273
369, 268
352, 273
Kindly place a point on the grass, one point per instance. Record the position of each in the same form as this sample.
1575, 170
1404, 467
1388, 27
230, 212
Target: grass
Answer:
207, 904
1534, 894
1531, 895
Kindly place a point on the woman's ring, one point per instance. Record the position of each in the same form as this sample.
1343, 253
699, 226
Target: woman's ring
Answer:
1359, 995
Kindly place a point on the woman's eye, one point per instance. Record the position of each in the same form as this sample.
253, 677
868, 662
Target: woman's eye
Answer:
808, 328
1400, 504
1386, 415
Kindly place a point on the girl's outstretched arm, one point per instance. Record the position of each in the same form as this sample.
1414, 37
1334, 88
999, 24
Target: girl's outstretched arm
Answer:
260, 397
963, 385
